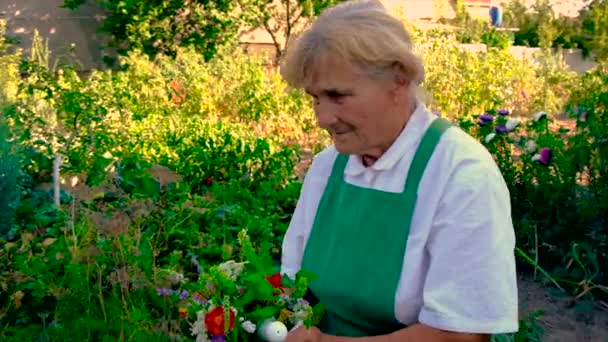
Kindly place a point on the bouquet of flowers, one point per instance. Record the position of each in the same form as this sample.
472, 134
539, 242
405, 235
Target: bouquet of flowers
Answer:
246, 300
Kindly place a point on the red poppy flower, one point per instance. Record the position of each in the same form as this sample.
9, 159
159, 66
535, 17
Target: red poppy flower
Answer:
215, 321
276, 280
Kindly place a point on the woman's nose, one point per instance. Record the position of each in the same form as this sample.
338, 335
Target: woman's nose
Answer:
326, 114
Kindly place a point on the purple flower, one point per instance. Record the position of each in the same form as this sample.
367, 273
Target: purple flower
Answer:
220, 338
486, 117
545, 155
503, 112
501, 128
197, 298
583, 117
163, 292
183, 295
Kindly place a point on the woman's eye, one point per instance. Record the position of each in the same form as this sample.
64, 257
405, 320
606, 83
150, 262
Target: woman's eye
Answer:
335, 95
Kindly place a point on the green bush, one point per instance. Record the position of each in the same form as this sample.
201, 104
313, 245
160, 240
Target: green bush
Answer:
559, 199
10, 168
462, 82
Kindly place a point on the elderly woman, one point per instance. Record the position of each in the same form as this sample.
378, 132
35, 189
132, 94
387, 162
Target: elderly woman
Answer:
404, 219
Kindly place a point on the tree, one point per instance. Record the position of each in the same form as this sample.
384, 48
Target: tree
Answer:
161, 26
595, 28
284, 19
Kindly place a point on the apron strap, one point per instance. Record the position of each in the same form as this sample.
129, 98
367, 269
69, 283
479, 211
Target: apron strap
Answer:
423, 154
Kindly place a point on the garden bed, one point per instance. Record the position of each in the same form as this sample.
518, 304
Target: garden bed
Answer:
562, 320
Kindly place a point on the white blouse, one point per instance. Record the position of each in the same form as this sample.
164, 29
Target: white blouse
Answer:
459, 273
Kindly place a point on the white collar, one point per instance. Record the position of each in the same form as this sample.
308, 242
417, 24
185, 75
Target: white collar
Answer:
407, 140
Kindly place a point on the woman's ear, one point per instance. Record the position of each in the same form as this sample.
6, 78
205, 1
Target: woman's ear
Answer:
401, 83
401, 79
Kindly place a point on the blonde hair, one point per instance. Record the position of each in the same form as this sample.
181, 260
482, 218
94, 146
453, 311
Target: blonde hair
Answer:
362, 33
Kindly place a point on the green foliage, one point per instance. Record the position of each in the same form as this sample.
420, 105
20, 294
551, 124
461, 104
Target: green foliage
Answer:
162, 26
463, 82
539, 26
595, 28
9, 66
469, 30
285, 19
10, 169
567, 189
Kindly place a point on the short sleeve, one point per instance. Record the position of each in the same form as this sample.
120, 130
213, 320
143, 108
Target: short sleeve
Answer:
471, 284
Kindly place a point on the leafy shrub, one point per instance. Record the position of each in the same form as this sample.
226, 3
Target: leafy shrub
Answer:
465, 83
161, 27
555, 175
10, 169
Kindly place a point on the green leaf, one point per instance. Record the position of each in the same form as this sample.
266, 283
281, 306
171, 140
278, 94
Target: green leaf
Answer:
264, 312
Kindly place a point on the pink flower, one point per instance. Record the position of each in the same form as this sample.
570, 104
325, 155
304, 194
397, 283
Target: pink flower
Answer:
545, 155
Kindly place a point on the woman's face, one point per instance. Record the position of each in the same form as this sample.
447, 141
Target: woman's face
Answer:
363, 115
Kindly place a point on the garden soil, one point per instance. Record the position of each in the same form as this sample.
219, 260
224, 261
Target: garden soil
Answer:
561, 320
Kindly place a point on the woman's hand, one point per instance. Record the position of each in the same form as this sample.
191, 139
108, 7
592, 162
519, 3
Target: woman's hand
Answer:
302, 334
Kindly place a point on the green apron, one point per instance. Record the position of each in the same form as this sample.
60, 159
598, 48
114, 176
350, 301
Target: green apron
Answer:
357, 246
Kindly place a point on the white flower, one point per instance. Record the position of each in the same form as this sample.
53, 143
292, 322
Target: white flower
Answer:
536, 157
231, 268
512, 123
531, 146
489, 137
248, 326
539, 116
199, 329
273, 331
176, 278
301, 310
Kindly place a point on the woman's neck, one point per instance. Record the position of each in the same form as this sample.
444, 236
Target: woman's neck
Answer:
369, 158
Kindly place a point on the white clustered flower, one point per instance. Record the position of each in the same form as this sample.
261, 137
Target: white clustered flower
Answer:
512, 123
301, 310
489, 137
531, 146
231, 268
199, 329
177, 278
248, 326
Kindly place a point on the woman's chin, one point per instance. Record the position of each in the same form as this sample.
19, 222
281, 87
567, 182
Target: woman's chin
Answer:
345, 147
